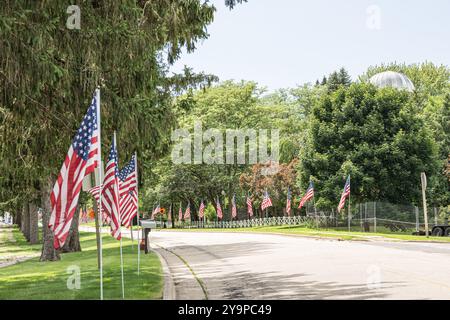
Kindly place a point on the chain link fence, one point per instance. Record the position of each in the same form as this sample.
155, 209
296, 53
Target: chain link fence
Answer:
376, 216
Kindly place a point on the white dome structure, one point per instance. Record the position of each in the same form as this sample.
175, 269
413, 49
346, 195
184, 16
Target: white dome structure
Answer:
392, 79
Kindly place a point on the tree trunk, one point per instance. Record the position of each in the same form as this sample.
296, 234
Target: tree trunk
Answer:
34, 229
18, 218
26, 221
172, 215
48, 251
72, 243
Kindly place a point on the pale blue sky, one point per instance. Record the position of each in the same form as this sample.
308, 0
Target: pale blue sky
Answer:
282, 43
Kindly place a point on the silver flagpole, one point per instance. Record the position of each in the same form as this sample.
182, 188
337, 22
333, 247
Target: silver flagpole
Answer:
349, 206
137, 211
131, 234
120, 225
100, 178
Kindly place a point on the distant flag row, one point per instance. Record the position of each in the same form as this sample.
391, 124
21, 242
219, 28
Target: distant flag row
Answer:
267, 202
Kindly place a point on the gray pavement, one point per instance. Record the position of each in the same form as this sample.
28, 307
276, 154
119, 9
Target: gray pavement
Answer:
264, 266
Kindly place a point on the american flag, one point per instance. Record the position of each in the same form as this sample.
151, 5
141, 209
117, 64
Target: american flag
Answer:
288, 202
345, 194
180, 214
219, 209
128, 192
249, 207
81, 159
95, 192
308, 195
83, 215
156, 211
233, 207
201, 210
187, 213
110, 191
266, 201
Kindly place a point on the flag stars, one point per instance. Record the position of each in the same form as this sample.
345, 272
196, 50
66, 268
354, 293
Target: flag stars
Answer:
82, 140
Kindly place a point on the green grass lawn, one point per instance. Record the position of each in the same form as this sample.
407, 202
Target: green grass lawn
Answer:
48, 280
17, 248
325, 233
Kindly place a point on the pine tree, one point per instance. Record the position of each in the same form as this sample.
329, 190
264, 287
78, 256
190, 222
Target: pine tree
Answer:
344, 77
333, 82
48, 74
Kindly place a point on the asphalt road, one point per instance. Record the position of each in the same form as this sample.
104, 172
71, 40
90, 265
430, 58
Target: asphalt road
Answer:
263, 266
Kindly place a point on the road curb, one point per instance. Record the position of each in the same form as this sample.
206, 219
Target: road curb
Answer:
169, 285
317, 237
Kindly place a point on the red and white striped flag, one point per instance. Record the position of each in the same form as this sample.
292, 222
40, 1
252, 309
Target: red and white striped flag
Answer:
249, 207
219, 209
233, 207
83, 215
309, 194
267, 202
156, 211
345, 194
81, 160
288, 202
187, 213
128, 192
201, 210
95, 192
110, 191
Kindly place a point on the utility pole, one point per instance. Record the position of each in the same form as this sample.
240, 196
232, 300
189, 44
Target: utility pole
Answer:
423, 178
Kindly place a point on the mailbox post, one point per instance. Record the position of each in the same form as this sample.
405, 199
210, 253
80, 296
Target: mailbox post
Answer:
147, 226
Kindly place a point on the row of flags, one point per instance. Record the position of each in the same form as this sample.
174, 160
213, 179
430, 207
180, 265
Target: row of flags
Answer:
119, 187
119, 201
266, 203
118, 190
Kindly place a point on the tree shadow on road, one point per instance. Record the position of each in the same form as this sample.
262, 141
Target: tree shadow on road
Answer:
250, 285
211, 264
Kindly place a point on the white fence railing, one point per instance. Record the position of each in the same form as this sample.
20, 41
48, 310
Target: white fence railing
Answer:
258, 222
310, 221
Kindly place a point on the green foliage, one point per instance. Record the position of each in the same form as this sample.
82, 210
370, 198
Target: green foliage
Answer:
432, 103
210, 212
429, 79
226, 106
373, 135
48, 74
338, 79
